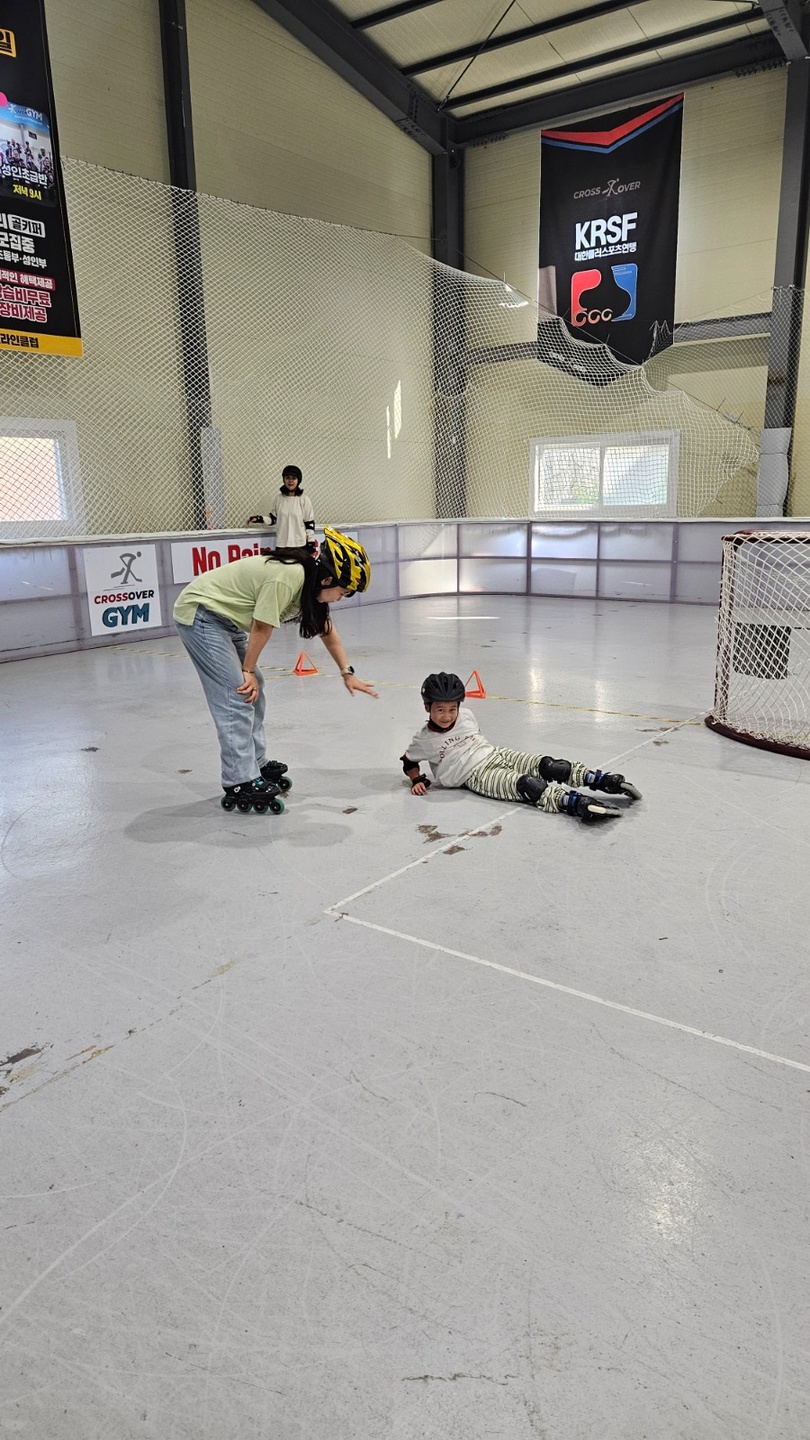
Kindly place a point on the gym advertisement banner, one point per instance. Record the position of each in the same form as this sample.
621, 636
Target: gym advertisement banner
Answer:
123, 591
38, 306
609, 227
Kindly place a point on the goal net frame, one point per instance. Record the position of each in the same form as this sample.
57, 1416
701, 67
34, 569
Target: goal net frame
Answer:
755, 631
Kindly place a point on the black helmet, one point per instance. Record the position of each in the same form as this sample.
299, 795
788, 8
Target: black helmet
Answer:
444, 687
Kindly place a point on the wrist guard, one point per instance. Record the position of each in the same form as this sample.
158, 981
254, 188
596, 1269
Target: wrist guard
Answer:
421, 780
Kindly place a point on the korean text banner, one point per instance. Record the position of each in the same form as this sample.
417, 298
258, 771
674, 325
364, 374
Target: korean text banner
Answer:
609, 226
38, 307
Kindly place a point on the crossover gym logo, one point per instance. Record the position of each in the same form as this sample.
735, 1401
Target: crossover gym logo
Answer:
584, 281
123, 592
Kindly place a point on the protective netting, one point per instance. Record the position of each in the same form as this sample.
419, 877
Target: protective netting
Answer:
762, 692
223, 341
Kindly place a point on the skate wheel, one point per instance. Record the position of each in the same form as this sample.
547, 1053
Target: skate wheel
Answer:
284, 782
277, 806
260, 807
243, 805
226, 803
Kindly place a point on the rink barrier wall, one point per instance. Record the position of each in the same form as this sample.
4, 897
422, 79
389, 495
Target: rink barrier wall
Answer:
44, 607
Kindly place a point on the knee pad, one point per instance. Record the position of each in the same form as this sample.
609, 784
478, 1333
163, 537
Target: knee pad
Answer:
559, 770
530, 788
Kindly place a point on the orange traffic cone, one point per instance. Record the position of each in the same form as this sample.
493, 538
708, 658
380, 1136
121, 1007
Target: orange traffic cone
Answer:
304, 666
480, 693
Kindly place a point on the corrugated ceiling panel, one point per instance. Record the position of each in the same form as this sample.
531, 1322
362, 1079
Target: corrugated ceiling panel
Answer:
355, 9
450, 24
443, 27
476, 79
438, 83
656, 17
492, 68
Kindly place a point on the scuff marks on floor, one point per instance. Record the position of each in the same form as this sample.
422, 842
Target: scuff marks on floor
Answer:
13, 1070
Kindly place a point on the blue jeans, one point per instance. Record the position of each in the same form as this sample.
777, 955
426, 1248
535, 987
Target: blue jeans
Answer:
217, 648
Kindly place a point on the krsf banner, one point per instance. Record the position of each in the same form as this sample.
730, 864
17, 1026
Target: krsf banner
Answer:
609, 227
38, 306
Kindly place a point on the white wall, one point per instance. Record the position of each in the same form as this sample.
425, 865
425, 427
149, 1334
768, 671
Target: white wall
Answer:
730, 174
730, 177
108, 83
313, 334
275, 126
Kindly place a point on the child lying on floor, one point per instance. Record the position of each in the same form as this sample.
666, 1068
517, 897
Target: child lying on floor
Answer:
459, 756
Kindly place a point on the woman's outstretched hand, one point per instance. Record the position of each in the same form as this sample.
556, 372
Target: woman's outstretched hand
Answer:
249, 688
353, 682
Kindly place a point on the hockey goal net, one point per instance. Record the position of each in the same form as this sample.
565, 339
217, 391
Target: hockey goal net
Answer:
762, 686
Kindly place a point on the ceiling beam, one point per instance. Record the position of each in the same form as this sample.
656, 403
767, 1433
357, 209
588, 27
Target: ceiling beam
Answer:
596, 62
320, 26
391, 12
789, 24
644, 83
528, 32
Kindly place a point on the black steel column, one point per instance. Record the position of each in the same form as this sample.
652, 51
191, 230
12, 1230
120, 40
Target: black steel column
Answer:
188, 258
791, 252
449, 336
790, 26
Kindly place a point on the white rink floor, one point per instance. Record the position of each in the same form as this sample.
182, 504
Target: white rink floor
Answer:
517, 1148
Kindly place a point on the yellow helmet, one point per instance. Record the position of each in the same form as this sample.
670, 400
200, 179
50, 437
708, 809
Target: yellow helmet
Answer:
345, 560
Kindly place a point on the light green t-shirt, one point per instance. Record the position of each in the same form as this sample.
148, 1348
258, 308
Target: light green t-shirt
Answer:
244, 591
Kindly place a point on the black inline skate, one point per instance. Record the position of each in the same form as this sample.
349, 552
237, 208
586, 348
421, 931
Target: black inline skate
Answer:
584, 808
275, 773
259, 795
611, 784
560, 770
531, 789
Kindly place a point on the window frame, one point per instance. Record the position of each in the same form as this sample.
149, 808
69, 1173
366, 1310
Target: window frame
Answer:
65, 435
645, 510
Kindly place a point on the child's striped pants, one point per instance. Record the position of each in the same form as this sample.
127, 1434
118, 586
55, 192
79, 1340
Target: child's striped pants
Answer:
497, 777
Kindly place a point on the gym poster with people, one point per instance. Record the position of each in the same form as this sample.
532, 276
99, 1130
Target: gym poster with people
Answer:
38, 306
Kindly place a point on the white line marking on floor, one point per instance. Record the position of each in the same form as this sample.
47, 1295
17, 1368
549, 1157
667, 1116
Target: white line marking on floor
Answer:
580, 994
337, 912
337, 908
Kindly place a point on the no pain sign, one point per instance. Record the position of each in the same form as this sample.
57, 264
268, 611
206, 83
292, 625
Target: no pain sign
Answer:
190, 559
122, 588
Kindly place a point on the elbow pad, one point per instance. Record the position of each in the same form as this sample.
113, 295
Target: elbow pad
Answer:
406, 764
309, 524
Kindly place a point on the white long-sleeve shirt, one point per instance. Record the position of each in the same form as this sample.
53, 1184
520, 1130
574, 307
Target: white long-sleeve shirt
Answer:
451, 754
294, 520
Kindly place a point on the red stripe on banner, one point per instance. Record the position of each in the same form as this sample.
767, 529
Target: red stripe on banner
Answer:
609, 137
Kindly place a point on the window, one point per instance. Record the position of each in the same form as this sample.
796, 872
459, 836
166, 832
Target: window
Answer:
40, 489
605, 475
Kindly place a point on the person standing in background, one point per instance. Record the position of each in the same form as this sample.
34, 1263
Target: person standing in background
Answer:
294, 517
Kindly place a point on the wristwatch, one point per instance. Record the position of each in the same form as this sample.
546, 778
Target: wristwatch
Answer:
348, 671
